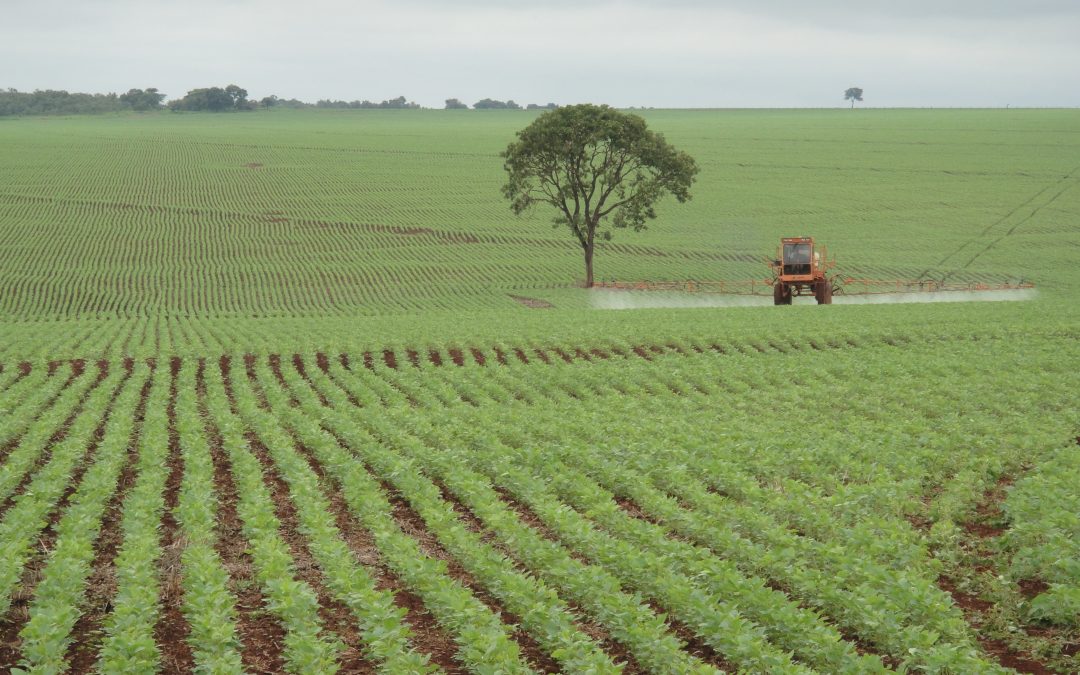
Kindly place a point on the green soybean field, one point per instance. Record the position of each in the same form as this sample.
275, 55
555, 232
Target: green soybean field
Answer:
295, 391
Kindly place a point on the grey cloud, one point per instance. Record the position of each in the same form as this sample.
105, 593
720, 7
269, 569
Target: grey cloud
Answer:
628, 52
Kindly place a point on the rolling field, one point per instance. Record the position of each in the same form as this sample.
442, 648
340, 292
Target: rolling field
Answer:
295, 392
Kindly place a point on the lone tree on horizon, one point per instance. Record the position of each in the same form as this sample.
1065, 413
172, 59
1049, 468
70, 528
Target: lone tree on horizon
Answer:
853, 94
590, 162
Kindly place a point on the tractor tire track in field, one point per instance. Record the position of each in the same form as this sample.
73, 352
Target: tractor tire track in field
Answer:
1031, 215
1064, 182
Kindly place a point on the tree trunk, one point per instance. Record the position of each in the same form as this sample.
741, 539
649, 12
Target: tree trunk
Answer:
588, 266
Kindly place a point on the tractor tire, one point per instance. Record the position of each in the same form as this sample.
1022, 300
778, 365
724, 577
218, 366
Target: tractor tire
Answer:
823, 292
781, 294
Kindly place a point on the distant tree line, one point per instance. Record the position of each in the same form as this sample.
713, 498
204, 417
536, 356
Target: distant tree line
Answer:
398, 103
492, 104
60, 102
207, 99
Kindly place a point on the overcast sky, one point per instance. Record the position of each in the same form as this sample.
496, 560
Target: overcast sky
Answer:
682, 53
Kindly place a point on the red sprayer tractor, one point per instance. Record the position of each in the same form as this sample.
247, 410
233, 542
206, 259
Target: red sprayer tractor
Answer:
802, 268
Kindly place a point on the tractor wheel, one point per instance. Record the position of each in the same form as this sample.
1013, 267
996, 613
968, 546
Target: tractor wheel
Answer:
823, 292
781, 294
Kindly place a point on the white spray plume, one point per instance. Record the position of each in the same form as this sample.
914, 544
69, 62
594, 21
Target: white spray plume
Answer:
624, 299
620, 299
937, 296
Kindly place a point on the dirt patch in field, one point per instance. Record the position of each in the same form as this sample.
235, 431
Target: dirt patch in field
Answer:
630, 508
563, 355
1005, 656
254, 165
390, 358
1029, 588
532, 303
965, 601
988, 514
301, 370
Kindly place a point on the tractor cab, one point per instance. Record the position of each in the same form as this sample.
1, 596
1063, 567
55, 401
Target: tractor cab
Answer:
796, 256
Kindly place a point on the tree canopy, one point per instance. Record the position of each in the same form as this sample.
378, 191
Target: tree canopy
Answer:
853, 94
143, 99
598, 167
213, 99
492, 104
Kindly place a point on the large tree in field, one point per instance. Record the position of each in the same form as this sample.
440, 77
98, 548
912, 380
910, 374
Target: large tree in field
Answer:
853, 94
600, 169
